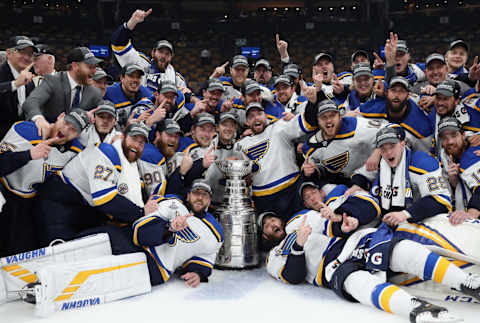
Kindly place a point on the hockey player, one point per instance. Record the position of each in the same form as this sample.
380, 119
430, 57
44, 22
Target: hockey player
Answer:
286, 98
332, 207
457, 57
26, 161
103, 179
233, 83
127, 92
223, 149
103, 127
262, 73
409, 185
355, 267
341, 145
361, 90
159, 67
274, 188
397, 59
397, 107
101, 80
462, 166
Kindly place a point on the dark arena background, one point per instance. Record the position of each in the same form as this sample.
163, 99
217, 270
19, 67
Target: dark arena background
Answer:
224, 27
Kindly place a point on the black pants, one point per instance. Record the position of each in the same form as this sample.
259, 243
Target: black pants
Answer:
17, 228
61, 212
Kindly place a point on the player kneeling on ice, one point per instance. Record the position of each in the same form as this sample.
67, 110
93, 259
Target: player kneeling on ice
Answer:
355, 267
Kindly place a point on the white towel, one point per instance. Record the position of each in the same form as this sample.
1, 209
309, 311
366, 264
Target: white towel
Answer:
396, 188
129, 184
2, 201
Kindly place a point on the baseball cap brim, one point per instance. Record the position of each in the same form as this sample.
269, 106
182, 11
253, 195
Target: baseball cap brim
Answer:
93, 60
23, 46
215, 87
444, 92
363, 73
240, 64
460, 43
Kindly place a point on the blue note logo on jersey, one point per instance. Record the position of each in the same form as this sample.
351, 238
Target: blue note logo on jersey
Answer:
256, 152
337, 163
186, 235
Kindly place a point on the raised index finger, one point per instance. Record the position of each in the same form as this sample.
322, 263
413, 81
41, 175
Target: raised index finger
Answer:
51, 141
277, 38
225, 64
148, 12
29, 67
303, 221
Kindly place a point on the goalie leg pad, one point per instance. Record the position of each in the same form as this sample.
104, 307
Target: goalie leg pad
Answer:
19, 270
90, 282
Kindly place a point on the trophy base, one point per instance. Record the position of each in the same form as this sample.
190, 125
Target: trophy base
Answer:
246, 267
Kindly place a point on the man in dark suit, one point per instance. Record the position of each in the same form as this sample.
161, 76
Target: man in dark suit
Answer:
64, 90
15, 81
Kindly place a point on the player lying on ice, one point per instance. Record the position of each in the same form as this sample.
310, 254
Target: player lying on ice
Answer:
173, 236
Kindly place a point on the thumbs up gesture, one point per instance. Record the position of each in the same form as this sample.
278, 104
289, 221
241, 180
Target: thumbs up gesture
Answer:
43, 149
209, 158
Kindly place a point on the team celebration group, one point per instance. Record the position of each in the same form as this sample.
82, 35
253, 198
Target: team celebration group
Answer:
108, 188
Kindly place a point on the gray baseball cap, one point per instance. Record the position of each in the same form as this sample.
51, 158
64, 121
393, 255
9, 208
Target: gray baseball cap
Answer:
284, 79
292, 70
362, 69
167, 86
449, 123
448, 88
398, 80
204, 118
78, 118
459, 42
389, 135
163, 44
239, 60
82, 54
227, 115
435, 57
137, 128
170, 126
100, 73
106, 108
305, 185
253, 105
251, 86
131, 68
215, 84
263, 62
200, 184
326, 105
320, 56
261, 216
402, 46
21, 42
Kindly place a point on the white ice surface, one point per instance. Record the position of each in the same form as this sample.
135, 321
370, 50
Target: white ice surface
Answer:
229, 297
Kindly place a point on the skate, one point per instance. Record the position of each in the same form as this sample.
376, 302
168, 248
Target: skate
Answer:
429, 313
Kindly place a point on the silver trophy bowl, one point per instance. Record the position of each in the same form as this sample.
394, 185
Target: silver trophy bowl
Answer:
237, 218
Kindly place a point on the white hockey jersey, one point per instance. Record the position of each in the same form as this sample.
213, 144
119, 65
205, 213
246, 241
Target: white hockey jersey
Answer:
273, 154
348, 151
198, 243
89, 136
23, 136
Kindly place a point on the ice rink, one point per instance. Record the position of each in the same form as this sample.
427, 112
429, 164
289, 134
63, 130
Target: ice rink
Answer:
230, 296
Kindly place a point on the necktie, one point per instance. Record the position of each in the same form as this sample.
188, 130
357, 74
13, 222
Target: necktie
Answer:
76, 98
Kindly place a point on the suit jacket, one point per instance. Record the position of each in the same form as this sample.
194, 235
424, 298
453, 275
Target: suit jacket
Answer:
53, 96
9, 100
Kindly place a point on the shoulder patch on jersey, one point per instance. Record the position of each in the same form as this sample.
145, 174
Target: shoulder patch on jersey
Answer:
214, 226
344, 74
152, 155
375, 108
110, 151
76, 146
347, 130
338, 191
421, 162
469, 158
287, 244
28, 130
297, 215
417, 122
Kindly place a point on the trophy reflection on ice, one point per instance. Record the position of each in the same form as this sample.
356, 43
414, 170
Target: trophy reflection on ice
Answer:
237, 218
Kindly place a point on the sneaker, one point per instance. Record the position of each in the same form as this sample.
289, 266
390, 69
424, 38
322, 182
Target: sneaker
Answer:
425, 312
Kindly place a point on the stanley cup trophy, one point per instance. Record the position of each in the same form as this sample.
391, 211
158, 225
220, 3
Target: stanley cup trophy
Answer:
237, 218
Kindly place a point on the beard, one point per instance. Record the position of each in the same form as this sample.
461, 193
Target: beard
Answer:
132, 156
166, 150
396, 107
